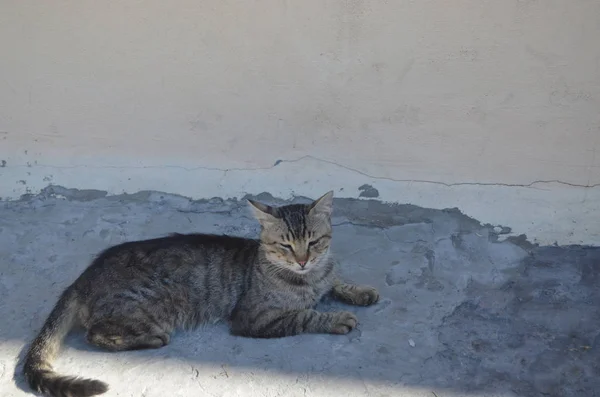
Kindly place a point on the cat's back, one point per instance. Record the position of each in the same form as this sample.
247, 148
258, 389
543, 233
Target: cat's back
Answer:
176, 255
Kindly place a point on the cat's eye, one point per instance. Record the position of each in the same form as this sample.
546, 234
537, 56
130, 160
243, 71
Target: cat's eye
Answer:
314, 242
286, 246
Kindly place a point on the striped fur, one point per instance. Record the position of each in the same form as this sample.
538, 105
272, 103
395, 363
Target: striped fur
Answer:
134, 295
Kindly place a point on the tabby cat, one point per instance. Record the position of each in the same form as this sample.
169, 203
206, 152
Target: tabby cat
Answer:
134, 295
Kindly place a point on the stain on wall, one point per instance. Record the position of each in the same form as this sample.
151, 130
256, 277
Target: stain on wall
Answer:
368, 191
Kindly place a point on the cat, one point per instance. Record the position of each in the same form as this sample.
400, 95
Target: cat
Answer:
135, 294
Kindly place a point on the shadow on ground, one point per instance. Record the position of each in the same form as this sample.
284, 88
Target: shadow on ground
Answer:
461, 311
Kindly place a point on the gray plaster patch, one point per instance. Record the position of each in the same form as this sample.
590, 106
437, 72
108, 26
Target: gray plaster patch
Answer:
460, 312
368, 191
74, 194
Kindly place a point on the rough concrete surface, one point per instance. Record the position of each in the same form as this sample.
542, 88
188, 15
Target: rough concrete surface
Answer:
461, 313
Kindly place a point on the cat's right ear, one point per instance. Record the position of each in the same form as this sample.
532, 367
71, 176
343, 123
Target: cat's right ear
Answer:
263, 213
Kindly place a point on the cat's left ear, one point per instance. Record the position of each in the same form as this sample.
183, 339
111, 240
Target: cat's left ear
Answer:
323, 205
265, 214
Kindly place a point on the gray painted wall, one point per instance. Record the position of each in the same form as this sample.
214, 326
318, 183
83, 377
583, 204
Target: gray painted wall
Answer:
411, 97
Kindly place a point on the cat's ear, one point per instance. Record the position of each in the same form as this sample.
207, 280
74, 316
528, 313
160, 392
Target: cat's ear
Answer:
263, 213
323, 205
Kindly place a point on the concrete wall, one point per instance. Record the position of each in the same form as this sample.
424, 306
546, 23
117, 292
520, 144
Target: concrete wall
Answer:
437, 103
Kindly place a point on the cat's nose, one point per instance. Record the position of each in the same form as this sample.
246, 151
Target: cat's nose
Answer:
302, 263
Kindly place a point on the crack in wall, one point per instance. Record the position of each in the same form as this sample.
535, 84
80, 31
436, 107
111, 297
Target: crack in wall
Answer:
322, 160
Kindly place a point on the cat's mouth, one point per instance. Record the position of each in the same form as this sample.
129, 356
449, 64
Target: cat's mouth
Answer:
302, 270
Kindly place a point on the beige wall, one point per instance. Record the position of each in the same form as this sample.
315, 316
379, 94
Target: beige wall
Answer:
121, 95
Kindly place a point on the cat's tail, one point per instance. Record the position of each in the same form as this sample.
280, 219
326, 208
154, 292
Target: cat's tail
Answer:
38, 369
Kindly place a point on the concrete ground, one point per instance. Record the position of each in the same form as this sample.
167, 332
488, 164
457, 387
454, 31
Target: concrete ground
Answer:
462, 313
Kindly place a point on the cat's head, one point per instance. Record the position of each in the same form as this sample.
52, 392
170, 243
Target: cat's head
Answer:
296, 236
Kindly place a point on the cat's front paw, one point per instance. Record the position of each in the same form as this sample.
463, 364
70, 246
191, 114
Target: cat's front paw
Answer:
343, 322
366, 296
